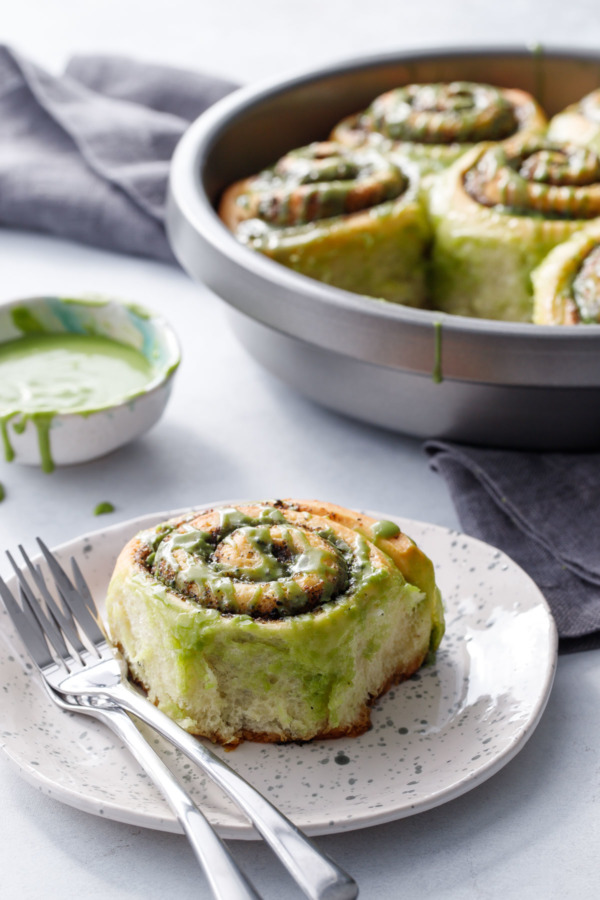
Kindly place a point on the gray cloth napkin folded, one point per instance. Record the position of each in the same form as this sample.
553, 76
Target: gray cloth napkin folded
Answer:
543, 510
85, 155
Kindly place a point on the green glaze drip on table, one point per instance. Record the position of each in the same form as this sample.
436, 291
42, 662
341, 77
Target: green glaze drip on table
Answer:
103, 508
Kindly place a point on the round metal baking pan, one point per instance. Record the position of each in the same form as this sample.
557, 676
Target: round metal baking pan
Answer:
420, 372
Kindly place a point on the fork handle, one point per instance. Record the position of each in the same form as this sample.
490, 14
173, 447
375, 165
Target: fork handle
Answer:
226, 879
316, 874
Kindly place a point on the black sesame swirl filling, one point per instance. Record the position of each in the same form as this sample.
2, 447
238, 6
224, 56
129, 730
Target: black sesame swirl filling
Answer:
543, 178
258, 561
321, 181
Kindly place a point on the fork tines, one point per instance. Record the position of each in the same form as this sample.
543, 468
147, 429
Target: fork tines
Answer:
27, 626
53, 623
77, 599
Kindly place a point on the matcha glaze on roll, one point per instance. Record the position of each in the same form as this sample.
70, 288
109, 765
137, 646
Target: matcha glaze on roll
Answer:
278, 621
566, 284
352, 218
496, 213
433, 124
443, 196
579, 123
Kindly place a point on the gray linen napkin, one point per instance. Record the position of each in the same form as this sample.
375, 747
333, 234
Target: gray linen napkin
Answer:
543, 510
85, 155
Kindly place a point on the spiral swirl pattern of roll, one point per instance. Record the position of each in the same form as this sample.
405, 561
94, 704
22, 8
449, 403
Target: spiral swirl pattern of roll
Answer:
497, 213
350, 217
434, 123
556, 180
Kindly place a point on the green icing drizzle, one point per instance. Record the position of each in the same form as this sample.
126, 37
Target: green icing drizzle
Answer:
43, 423
443, 113
436, 375
9, 453
268, 568
385, 529
269, 557
322, 181
537, 56
103, 508
232, 518
2, 492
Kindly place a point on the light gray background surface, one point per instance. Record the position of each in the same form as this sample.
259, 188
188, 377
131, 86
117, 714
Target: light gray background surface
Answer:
231, 430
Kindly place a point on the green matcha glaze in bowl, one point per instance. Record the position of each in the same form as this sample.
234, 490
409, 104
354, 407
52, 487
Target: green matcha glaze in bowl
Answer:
80, 377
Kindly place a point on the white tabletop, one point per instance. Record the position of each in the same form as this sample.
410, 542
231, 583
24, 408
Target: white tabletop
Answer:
231, 430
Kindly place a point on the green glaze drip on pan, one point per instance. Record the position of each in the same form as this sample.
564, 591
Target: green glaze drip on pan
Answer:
436, 375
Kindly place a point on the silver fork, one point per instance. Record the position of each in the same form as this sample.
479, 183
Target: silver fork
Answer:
223, 874
89, 668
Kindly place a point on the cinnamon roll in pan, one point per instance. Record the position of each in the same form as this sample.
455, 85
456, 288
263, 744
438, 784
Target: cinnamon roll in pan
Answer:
351, 218
496, 213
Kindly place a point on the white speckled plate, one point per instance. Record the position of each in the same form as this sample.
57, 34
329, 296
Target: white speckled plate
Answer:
443, 732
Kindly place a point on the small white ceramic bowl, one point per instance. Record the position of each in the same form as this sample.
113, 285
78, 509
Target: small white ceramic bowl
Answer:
78, 437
